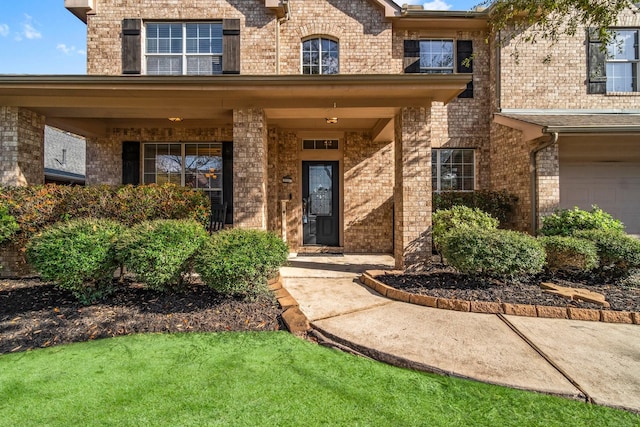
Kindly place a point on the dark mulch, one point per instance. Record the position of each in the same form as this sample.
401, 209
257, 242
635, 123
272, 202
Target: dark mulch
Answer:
35, 314
442, 282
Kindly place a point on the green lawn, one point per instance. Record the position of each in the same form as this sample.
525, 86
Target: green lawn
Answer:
257, 379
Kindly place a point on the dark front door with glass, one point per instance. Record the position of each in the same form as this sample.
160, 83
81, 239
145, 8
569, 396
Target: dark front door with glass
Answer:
320, 203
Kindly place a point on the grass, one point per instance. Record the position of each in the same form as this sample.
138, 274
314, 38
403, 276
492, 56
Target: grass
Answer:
257, 379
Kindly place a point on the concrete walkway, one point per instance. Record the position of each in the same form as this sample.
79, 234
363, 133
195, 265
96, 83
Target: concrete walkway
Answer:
594, 361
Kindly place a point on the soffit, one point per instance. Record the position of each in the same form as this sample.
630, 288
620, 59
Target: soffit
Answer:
536, 125
97, 102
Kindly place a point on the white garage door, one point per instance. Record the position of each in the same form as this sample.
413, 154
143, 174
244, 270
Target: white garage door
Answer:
614, 187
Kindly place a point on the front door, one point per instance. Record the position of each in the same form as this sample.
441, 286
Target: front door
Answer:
320, 203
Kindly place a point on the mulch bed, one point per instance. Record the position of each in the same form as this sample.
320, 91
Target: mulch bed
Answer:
443, 282
35, 314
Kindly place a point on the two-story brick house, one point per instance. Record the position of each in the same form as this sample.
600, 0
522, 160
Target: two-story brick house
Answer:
332, 121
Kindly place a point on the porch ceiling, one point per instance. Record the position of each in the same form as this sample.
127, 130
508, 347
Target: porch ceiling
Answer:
90, 105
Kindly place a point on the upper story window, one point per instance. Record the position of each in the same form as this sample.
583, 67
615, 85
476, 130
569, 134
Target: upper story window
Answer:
184, 48
440, 56
436, 56
320, 56
623, 62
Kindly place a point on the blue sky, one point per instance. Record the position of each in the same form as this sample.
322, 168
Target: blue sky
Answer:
42, 37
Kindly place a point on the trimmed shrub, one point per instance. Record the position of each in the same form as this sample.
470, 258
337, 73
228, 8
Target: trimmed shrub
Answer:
498, 204
38, 207
77, 255
499, 254
160, 252
8, 224
570, 254
457, 217
239, 262
565, 222
619, 253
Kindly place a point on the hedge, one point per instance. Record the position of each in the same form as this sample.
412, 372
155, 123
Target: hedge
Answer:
457, 217
502, 254
565, 222
239, 262
498, 204
570, 254
159, 252
37, 207
78, 255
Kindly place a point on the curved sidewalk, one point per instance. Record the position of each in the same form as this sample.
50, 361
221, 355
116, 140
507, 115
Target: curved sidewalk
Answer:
593, 361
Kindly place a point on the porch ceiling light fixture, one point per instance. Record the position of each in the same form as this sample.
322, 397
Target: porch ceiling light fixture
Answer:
331, 120
175, 119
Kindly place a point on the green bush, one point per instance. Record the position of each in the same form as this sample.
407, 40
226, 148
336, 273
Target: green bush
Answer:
565, 222
570, 254
499, 254
8, 224
38, 207
239, 262
619, 253
77, 255
457, 217
498, 204
160, 252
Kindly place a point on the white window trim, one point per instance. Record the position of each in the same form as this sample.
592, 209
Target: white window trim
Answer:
184, 53
635, 63
436, 152
319, 38
427, 70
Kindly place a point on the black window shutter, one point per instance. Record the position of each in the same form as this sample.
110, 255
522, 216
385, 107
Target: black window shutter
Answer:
231, 46
131, 46
464, 51
411, 56
597, 68
227, 179
131, 162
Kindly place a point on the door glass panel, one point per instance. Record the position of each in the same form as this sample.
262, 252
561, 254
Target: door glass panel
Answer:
320, 191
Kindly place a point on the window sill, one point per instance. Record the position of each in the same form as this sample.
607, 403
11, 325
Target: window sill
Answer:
622, 94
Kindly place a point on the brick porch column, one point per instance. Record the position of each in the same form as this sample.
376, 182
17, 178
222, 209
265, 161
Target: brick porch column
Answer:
21, 147
412, 192
548, 177
103, 161
250, 168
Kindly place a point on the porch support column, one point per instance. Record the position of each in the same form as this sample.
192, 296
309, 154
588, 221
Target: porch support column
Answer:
21, 147
548, 182
412, 192
250, 168
103, 161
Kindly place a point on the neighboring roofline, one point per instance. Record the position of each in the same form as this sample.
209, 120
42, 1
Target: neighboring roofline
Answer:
64, 176
536, 111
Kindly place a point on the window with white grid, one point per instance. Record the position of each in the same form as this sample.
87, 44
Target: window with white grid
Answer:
193, 48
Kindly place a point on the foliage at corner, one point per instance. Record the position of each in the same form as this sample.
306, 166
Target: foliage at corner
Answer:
501, 254
550, 19
160, 252
239, 262
619, 253
38, 207
498, 204
565, 222
570, 254
459, 217
77, 255
8, 224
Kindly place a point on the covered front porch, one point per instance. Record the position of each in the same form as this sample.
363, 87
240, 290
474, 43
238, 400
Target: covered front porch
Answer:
269, 129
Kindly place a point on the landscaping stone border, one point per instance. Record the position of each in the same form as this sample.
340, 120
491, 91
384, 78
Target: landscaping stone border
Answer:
294, 319
573, 313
